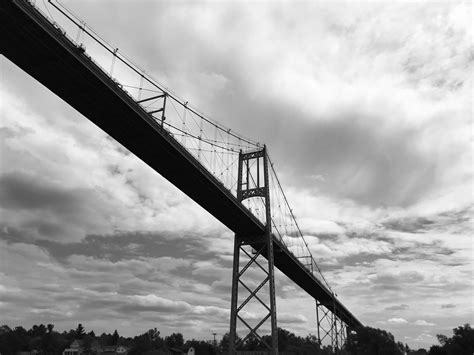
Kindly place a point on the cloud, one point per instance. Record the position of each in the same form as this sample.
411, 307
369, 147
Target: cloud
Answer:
286, 318
411, 224
313, 227
448, 305
156, 304
131, 245
424, 323
397, 321
44, 185
108, 289
19, 191
400, 307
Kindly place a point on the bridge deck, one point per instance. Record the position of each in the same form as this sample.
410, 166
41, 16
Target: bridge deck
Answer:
31, 42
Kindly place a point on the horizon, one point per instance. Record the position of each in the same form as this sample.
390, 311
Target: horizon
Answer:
214, 340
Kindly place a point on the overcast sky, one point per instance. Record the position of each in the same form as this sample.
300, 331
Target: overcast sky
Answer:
367, 111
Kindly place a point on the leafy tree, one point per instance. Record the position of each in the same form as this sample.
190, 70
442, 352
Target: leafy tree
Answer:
51, 341
13, 340
153, 334
201, 347
224, 343
371, 341
174, 340
461, 343
37, 330
252, 343
437, 350
143, 343
87, 344
420, 351
148, 341
105, 339
288, 343
286, 339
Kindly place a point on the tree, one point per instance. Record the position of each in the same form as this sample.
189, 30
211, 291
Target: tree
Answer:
174, 340
87, 344
144, 342
286, 339
201, 347
50, 328
38, 330
437, 350
366, 341
115, 338
311, 344
461, 343
371, 341
252, 343
153, 334
420, 351
224, 343
13, 340
79, 332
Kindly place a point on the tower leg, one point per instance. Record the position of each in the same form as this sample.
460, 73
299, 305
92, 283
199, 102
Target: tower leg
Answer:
234, 299
269, 238
263, 245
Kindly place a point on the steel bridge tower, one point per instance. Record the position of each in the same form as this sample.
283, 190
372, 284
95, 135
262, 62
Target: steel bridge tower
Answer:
250, 184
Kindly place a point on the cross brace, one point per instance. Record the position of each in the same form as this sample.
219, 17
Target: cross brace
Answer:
244, 191
331, 329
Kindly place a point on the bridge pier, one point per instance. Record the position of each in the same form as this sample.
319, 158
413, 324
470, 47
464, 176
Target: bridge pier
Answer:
330, 328
249, 186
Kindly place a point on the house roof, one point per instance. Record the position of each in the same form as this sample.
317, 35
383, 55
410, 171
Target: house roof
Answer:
77, 342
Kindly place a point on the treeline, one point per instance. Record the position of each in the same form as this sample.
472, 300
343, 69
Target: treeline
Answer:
362, 341
370, 341
461, 343
288, 343
45, 340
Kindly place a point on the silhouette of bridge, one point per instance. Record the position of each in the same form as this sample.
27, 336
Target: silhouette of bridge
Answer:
229, 175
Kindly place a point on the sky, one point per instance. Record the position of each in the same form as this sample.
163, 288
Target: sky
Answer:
366, 108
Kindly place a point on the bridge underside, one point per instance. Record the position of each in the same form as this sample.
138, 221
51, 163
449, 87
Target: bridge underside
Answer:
42, 51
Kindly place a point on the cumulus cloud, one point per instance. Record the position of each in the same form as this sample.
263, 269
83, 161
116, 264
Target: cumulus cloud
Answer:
424, 323
400, 307
397, 321
155, 303
291, 318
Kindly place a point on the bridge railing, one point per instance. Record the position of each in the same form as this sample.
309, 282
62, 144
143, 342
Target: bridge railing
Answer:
215, 146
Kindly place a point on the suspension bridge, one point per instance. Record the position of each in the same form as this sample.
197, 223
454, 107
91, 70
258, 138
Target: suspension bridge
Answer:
229, 175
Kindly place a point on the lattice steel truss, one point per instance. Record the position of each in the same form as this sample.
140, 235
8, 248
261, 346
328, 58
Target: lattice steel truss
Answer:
250, 185
330, 328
